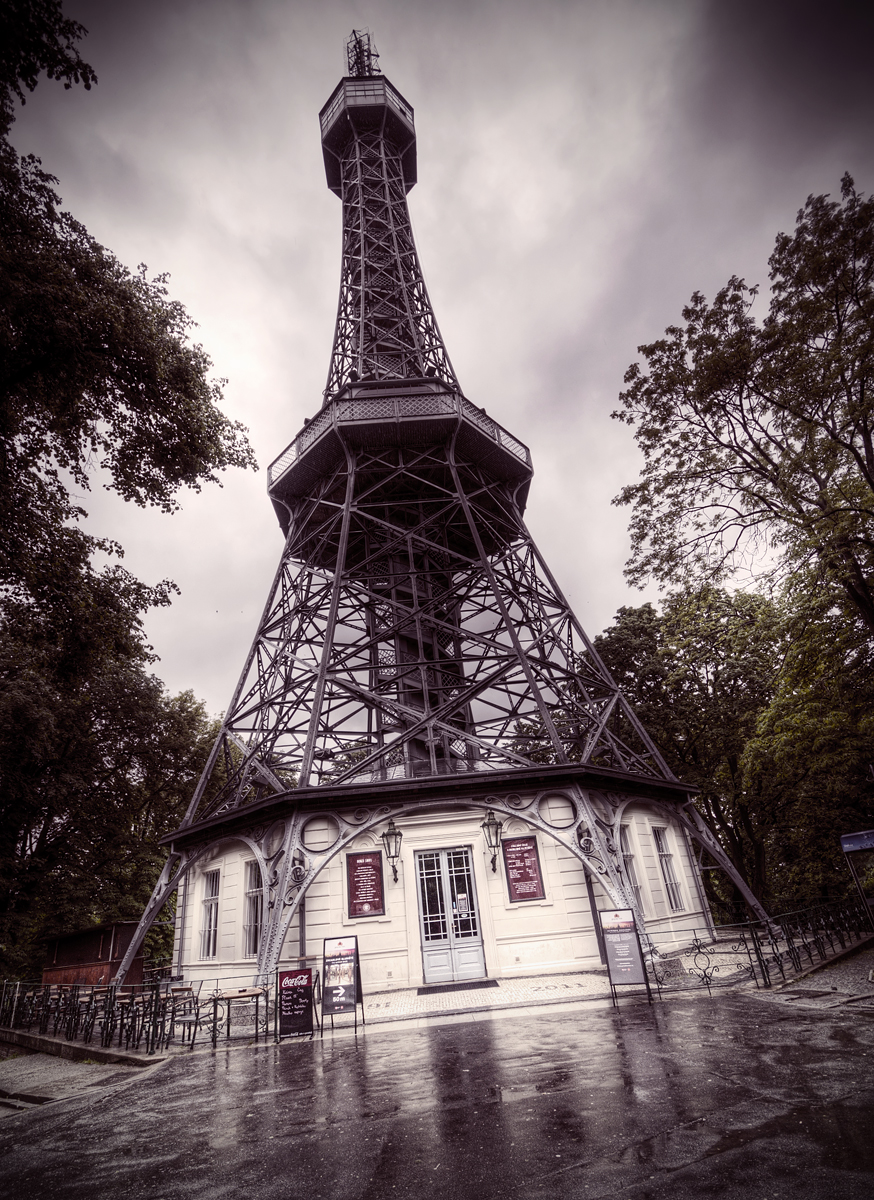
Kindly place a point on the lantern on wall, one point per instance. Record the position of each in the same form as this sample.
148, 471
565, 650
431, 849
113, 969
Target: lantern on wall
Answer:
391, 839
491, 827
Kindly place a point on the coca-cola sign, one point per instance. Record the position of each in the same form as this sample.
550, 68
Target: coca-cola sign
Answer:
295, 1002
302, 979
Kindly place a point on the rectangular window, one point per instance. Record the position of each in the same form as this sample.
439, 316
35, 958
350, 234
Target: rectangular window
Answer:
628, 864
666, 862
254, 910
209, 928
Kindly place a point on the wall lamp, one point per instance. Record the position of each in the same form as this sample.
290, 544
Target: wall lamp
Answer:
391, 839
492, 829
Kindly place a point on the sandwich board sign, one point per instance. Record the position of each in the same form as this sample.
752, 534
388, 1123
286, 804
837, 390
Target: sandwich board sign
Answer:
625, 963
859, 851
294, 1003
341, 971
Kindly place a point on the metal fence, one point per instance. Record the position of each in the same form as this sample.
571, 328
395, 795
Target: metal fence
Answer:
764, 954
144, 1018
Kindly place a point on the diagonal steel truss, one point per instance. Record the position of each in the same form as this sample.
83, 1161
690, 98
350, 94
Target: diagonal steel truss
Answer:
413, 629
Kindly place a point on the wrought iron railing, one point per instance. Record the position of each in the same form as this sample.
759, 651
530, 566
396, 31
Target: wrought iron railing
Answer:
392, 408
143, 1018
148, 1018
753, 952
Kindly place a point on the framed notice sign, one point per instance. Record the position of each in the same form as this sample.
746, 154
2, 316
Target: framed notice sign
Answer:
294, 1004
365, 884
522, 867
341, 991
622, 947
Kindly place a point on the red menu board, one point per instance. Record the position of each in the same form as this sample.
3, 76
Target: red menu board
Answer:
295, 1002
522, 864
364, 877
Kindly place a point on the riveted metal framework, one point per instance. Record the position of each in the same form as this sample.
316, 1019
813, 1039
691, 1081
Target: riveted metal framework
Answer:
413, 628
415, 652
385, 323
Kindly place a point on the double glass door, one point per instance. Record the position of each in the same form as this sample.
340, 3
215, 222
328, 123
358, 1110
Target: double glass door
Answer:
452, 943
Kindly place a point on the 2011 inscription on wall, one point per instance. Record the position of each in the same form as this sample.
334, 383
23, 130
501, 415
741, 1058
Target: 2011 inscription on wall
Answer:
365, 884
522, 867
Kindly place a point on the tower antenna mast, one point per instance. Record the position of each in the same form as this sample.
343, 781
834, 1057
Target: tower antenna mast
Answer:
361, 54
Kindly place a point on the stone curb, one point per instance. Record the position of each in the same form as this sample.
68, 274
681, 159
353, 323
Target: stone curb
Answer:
75, 1051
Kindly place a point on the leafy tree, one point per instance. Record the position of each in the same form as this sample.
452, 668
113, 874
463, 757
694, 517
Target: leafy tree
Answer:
35, 36
96, 371
810, 762
766, 707
759, 438
93, 776
699, 675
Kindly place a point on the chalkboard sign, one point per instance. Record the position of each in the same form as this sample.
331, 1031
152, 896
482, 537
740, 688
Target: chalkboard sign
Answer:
294, 990
341, 975
624, 957
522, 867
364, 880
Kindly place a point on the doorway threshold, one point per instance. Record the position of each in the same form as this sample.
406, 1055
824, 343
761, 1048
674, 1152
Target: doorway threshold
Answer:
470, 985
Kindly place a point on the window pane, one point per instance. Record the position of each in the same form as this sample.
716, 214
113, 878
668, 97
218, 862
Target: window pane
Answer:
254, 910
209, 927
628, 865
666, 862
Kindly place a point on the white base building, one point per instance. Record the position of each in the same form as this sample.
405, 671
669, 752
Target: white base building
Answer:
449, 917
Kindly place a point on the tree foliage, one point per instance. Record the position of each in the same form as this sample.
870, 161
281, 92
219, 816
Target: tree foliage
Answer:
92, 776
810, 762
36, 37
96, 372
760, 437
765, 706
699, 675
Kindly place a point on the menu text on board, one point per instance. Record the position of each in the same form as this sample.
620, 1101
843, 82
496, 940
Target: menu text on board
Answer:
522, 866
365, 884
621, 943
295, 1000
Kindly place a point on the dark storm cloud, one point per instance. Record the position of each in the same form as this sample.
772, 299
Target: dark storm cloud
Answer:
784, 78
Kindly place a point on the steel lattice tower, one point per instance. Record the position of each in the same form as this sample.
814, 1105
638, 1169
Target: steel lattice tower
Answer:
415, 651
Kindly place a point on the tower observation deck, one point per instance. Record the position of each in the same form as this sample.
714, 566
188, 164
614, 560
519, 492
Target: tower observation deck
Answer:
414, 648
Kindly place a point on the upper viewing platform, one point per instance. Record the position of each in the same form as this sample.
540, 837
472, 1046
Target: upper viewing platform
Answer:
357, 105
396, 414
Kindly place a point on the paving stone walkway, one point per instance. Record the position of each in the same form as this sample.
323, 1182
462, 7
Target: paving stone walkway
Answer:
845, 982
406, 1004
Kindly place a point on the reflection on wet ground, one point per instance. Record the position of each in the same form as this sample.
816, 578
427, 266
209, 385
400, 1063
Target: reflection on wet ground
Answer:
740, 1096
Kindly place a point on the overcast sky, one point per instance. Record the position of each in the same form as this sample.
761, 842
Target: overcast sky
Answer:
584, 166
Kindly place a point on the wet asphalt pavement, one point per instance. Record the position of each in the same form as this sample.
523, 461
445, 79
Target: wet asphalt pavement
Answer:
739, 1096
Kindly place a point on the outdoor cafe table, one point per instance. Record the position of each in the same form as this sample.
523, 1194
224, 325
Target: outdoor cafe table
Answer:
230, 998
